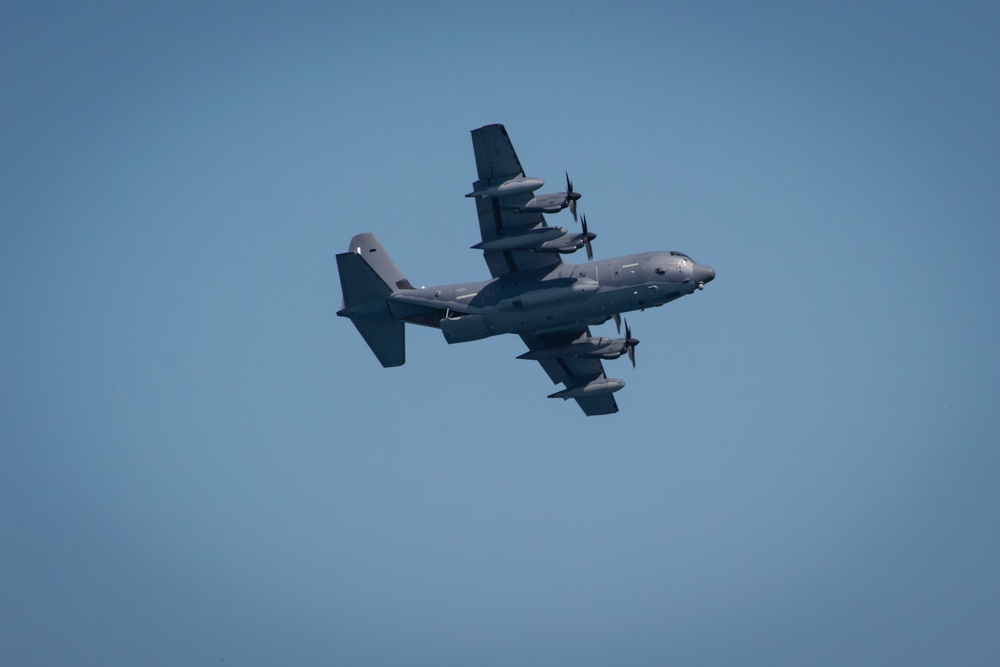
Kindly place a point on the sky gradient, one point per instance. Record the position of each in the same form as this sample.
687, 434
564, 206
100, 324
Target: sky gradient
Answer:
199, 462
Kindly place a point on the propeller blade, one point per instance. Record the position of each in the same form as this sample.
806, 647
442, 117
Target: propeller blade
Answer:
571, 196
618, 322
630, 343
587, 238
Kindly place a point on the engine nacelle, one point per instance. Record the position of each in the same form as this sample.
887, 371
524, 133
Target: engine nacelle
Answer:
591, 348
514, 186
464, 328
530, 239
546, 203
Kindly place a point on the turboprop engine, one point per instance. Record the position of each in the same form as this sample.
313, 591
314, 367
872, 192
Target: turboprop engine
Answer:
555, 202
515, 186
532, 239
588, 348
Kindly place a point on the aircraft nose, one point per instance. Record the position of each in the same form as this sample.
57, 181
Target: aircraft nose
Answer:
703, 274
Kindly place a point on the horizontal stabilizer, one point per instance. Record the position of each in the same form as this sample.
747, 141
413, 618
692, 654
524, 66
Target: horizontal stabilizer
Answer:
386, 337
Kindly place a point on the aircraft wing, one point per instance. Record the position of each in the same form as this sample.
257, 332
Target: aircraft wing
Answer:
573, 371
496, 163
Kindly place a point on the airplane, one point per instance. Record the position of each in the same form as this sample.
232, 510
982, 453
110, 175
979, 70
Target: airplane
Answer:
550, 303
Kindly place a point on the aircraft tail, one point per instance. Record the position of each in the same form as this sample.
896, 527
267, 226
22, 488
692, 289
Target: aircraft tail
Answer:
367, 276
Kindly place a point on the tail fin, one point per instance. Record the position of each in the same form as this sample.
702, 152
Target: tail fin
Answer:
367, 276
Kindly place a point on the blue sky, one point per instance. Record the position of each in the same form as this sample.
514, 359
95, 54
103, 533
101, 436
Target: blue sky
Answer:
199, 462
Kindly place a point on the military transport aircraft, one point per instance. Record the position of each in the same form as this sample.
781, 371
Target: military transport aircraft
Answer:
549, 303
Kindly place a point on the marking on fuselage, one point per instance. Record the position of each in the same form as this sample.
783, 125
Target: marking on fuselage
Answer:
466, 296
628, 266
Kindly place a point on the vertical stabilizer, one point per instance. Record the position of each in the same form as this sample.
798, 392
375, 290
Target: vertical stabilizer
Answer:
376, 256
367, 276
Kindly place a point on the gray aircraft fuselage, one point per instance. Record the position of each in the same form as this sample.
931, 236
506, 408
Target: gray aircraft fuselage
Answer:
551, 299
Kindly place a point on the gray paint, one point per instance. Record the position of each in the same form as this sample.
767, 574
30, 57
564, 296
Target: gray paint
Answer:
533, 293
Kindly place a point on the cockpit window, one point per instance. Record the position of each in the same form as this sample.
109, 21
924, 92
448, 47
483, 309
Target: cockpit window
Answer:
674, 253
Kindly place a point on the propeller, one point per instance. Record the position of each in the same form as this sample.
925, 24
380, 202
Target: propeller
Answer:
571, 196
618, 322
630, 343
587, 238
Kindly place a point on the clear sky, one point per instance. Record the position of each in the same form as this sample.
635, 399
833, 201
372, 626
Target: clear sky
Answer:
199, 462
